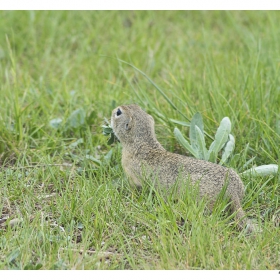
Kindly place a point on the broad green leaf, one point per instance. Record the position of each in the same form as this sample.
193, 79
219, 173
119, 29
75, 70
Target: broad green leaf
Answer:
13, 255
200, 140
228, 149
196, 121
112, 139
93, 159
80, 225
212, 157
76, 119
108, 156
56, 123
263, 170
91, 118
221, 137
180, 138
107, 129
76, 143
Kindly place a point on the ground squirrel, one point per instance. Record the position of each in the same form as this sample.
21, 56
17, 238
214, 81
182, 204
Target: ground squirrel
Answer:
135, 130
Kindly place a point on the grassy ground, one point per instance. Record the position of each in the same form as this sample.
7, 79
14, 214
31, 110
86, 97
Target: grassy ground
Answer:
64, 200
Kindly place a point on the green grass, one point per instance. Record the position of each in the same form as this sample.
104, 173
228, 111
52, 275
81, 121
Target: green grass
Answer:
77, 213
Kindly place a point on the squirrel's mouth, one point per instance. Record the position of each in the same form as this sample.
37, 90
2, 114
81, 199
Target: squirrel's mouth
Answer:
112, 123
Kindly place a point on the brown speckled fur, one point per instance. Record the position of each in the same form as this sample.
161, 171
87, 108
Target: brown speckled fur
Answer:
135, 130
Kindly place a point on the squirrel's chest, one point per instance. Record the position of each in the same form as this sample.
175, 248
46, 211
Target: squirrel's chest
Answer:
132, 168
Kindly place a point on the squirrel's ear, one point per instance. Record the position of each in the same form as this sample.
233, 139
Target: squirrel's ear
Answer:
127, 124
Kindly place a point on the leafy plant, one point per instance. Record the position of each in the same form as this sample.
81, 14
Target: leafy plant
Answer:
223, 141
197, 147
76, 119
263, 170
108, 131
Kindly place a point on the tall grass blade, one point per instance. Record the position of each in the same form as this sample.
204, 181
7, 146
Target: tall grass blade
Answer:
180, 122
156, 86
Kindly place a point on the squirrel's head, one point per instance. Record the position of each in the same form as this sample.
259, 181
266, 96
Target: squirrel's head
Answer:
131, 124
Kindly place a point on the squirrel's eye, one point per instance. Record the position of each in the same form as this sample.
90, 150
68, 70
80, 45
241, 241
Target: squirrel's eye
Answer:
119, 112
